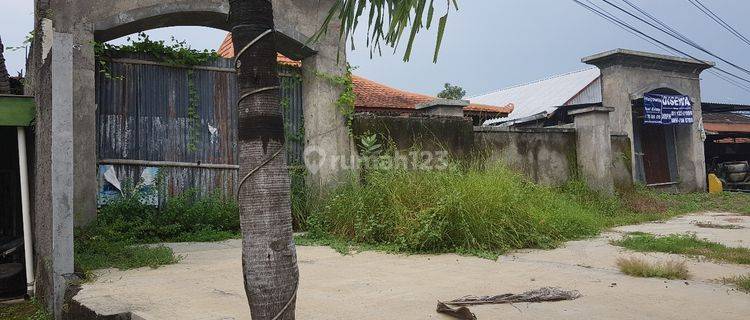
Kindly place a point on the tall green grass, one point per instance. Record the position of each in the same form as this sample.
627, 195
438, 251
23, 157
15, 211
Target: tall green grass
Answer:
465, 210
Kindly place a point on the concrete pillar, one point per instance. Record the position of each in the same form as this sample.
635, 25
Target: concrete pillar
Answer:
328, 143
84, 126
62, 168
594, 147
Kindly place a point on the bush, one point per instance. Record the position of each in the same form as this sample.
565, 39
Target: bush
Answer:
182, 217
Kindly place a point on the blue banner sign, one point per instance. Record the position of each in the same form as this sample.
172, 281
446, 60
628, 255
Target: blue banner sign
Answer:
667, 109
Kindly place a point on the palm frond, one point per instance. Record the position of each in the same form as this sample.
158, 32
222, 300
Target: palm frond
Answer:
387, 21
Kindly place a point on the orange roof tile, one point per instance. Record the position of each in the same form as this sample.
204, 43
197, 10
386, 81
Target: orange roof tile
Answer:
226, 50
371, 94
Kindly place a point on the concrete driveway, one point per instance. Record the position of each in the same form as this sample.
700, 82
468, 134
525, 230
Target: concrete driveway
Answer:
207, 283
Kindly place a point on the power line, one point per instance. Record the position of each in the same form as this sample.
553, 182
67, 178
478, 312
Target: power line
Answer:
684, 38
719, 20
678, 37
673, 49
613, 19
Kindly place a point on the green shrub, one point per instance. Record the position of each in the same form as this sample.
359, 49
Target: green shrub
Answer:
181, 217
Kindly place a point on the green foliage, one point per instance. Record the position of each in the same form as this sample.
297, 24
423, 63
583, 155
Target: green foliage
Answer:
114, 239
685, 244
452, 92
387, 21
177, 53
28, 310
640, 268
369, 146
347, 98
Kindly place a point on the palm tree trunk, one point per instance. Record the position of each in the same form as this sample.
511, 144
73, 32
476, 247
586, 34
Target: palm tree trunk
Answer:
4, 76
269, 259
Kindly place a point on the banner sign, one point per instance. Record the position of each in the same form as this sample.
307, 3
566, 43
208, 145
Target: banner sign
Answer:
667, 109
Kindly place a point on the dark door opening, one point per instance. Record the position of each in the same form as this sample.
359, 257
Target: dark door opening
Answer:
655, 150
12, 276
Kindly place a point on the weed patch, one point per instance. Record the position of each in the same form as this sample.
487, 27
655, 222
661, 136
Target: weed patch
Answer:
28, 310
637, 267
685, 244
116, 239
463, 210
741, 282
479, 211
733, 202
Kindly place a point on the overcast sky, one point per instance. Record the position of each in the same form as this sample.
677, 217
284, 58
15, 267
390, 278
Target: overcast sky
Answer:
492, 44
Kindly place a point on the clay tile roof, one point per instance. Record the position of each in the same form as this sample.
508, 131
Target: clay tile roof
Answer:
371, 94
226, 50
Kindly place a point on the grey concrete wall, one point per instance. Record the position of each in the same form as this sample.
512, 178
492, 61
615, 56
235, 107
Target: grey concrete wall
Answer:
547, 156
627, 75
451, 134
622, 173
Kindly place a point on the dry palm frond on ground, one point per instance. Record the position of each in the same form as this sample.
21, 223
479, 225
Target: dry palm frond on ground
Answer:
545, 294
717, 225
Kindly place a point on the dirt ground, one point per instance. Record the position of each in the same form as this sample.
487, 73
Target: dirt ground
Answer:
207, 283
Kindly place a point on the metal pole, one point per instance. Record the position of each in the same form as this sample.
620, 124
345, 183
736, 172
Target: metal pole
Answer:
27, 238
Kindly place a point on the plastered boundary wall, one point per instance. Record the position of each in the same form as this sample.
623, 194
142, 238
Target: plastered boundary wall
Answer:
545, 155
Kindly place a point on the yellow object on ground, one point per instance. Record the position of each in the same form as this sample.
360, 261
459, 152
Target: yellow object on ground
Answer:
714, 184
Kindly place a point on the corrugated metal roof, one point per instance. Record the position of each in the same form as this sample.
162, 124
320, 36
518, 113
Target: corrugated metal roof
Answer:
543, 96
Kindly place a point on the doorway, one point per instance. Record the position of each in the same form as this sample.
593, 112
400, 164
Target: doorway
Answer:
655, 148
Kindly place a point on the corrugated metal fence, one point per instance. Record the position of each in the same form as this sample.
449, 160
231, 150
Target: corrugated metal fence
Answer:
144, 120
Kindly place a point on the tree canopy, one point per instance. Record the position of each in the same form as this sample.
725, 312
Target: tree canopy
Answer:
452, 92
